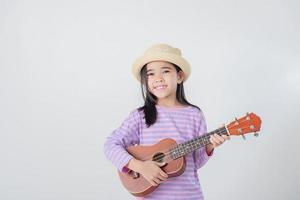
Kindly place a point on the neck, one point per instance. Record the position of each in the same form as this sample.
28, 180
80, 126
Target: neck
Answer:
168, 103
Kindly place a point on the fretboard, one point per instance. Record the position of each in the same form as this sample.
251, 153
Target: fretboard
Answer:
194, 144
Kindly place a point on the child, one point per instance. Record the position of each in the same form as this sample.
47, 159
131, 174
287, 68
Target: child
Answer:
165, 114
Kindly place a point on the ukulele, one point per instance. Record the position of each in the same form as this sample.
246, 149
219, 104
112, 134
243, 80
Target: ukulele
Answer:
169, 152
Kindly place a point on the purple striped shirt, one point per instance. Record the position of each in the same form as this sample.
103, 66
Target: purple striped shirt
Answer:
180, 124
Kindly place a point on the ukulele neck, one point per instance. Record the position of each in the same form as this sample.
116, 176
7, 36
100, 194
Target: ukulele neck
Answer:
194, 144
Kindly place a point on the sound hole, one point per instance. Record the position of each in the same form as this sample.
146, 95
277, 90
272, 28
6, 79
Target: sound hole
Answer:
159, 157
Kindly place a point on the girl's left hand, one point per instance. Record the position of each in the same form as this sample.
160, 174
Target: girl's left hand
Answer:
217, 140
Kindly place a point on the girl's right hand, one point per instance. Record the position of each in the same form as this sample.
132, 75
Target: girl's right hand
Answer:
152, 172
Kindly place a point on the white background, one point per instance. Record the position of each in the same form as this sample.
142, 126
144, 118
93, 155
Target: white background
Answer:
65, 85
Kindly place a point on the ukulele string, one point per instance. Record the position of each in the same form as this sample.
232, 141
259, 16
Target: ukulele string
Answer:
168, 153
171, 150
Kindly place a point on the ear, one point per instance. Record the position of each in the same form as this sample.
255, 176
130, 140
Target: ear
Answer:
180, 77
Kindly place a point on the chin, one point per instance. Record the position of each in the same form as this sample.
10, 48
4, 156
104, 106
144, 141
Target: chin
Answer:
160, 96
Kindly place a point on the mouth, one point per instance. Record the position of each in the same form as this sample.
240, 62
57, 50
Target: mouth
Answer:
160, 87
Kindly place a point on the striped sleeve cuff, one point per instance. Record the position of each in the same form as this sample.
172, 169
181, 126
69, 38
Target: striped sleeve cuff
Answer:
123, 161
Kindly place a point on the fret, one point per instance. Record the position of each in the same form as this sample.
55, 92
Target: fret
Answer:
218, 131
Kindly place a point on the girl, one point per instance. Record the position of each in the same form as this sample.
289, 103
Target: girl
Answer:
165, 114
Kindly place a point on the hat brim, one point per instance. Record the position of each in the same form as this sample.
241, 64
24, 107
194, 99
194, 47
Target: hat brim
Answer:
177, 60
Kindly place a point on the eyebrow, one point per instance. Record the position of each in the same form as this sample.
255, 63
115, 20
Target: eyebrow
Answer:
161, 68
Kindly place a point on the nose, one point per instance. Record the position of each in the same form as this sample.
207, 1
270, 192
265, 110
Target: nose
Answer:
159, 80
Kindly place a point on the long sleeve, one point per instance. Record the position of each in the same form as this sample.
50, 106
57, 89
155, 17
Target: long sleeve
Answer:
200, 155
126, 135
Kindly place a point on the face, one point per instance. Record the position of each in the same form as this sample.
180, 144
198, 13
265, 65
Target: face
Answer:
163, 79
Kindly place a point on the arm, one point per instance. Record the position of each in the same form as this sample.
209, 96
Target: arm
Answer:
115, 150
202, 155
126, 135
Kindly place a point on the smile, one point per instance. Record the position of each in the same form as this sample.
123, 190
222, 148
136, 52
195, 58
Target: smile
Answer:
160, 87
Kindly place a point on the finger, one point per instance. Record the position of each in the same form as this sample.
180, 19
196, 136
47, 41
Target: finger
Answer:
153, 183
212, 141
226, 137
161, 177
164, 174
160, 164
215, 140
219, 138
157, 180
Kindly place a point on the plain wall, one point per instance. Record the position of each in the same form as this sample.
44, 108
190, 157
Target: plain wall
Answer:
66, 84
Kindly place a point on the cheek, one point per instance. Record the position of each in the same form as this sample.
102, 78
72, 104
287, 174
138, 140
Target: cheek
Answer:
149, 83
149, 80
171, 80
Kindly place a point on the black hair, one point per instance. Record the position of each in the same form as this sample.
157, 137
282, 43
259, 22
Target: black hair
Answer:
150, 100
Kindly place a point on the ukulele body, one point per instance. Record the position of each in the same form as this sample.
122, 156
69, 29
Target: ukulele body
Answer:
137, 184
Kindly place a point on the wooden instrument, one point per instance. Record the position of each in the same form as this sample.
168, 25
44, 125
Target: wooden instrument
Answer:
168, 151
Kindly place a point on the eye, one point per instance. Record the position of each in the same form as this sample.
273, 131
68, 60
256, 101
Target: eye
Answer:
150, 74
166, 71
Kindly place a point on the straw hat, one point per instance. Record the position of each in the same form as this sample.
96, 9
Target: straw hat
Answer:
161, 52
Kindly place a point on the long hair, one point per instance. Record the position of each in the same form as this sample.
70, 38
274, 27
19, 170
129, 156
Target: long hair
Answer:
150, 100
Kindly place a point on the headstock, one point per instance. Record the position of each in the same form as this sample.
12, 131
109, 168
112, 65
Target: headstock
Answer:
247, 124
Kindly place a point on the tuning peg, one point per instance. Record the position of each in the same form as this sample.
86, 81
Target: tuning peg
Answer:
236, 121
248, 116
256, 134
244, 137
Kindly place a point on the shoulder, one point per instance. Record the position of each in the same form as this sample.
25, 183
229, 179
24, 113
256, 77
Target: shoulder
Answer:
196, 113
136, 114
195, 110
200, 121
